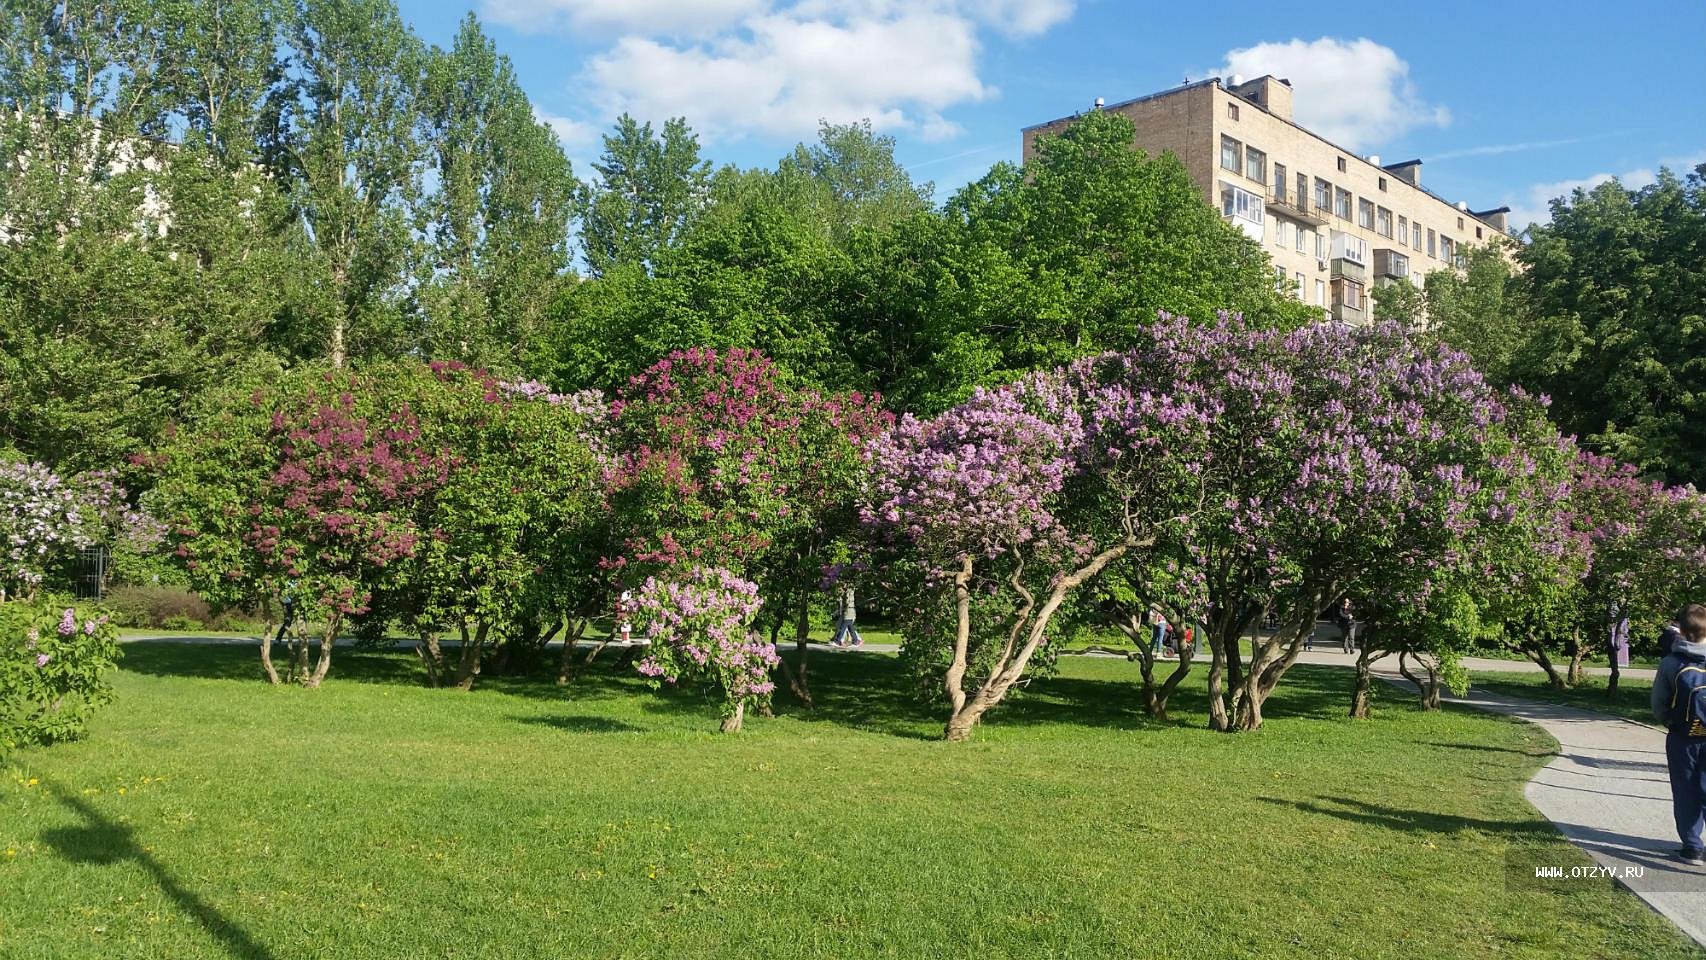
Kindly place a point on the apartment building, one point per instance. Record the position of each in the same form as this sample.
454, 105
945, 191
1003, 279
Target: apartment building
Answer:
1335, 223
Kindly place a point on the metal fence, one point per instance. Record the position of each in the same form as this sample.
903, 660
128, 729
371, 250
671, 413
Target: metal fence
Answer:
89, 573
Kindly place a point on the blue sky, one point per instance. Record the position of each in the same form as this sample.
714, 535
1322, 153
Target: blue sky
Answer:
1507, 102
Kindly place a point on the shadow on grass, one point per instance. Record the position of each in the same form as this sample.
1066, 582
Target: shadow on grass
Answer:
1413, 821
580, 724
242, 661
102, 842
866, 691
1482, 748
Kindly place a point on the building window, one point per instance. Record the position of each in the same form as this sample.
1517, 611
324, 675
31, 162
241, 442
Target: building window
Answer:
1350, 294
1256, 165
1403, 230
1280, 238
1302, 286
1383, 222
1302, 191
1416, 236
1279, 182
1341, 164
1323, 194
1301, 239
1279, 279
1320, 293
1477, 233
1232, 111
1229, 155
1445, 245
1342, 203
1320, 245
1431, 244
1382, 184
1460, 223
1365, 214
1240, 203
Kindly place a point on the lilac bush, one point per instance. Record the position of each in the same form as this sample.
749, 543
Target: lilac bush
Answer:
1242, 472
1008, 503
699, 626
45, 520
54, 659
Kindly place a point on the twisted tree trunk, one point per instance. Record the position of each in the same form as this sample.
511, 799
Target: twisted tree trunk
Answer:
1362, 690
565, 665
732, 722
468, 663
1010, 666
796, 675
432, 656
323, 665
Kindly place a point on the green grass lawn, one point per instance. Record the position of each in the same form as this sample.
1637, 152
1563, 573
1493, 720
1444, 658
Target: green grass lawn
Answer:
1591, 694
207, 815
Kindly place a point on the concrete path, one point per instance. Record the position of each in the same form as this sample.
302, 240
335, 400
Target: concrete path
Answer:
1608, 792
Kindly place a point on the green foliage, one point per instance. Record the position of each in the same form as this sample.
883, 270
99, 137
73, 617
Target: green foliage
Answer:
1479, 311
1400, 302
514, 533
54, 660
497, 226
1070, 255
649, 190
1616, 282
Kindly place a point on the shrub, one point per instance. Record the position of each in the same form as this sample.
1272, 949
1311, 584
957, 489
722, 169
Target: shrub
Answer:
166, 606
54, 657
699, 628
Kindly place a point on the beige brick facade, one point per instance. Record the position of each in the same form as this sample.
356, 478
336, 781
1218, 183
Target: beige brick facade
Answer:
1334, 223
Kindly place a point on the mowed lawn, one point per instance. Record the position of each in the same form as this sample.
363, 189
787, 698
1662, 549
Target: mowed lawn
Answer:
208, 815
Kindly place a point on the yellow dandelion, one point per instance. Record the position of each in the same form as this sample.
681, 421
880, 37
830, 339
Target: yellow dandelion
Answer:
31, 782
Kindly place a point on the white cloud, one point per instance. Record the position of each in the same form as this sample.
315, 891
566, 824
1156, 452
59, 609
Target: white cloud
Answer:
1356, 93
1535, 205
658, 17
775, 68
1494, 149
572, 134
900, 65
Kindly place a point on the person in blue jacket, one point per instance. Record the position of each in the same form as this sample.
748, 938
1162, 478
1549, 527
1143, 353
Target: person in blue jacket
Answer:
1679, 702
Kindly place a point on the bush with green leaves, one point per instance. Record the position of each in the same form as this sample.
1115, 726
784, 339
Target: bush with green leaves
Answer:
54, 658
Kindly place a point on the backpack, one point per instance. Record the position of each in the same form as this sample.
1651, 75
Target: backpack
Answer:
1688, 698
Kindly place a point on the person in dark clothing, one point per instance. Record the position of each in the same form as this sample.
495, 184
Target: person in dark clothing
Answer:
1346, 619
1679, 702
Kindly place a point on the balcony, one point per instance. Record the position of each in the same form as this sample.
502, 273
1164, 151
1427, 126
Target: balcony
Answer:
1299, 209
1391, 263
1349, 269
1347, 314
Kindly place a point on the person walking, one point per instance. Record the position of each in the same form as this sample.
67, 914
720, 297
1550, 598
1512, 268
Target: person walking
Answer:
1162, 627
846, 613
1679, 702
1346, 619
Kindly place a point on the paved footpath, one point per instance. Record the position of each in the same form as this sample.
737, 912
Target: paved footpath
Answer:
1607, 791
